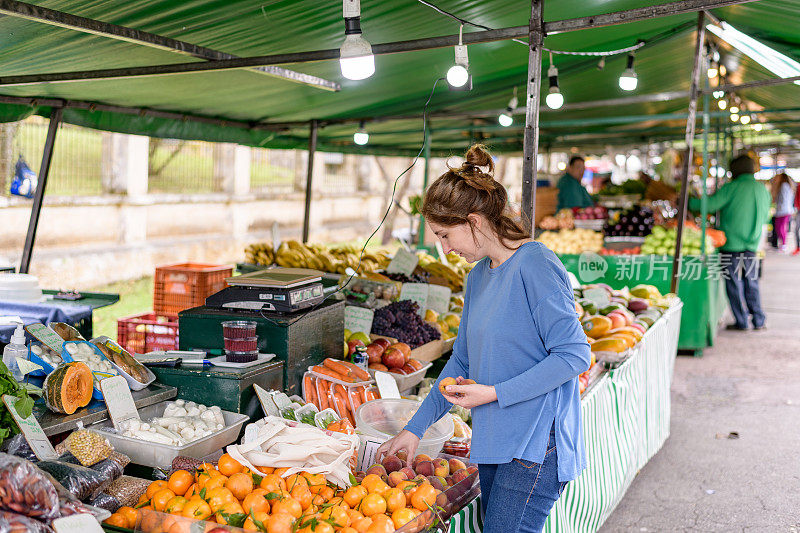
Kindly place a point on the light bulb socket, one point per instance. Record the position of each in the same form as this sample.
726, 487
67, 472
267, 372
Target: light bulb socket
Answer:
352, 25
461, 55
629, 64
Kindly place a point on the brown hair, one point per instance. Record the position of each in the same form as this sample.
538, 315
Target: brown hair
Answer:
468, 189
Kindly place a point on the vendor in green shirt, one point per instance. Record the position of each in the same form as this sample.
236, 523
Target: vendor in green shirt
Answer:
743, 205
570, 191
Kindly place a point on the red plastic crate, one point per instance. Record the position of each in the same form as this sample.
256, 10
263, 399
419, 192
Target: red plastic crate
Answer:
187, 285
148, 332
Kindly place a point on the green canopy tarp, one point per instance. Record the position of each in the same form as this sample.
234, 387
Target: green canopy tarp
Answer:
401, 84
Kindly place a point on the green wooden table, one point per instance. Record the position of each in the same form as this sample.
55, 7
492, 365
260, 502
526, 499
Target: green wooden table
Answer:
229, 388
93, 300
702, 287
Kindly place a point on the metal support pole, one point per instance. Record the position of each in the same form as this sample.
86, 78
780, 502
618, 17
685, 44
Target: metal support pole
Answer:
312, 148
719, 164
687, 164
427, 155
44, 171
531, 142
706, 126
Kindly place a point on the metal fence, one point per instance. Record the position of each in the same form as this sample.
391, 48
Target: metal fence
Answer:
340, 176
77, 156
274, 171
178, 166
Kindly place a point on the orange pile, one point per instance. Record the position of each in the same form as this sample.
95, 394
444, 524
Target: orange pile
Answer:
299, 503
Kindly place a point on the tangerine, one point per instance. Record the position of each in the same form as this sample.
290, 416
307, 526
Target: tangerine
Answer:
225, 514
219, 496
362, 524
240, 485
280, 523
175, 505
191, 491
160, 499
154, 487
131, 514
256, 521
289, 506
118, 520
355, 494
402, 516
229, 466
371, 481
215, 481
301, 493
424, 497
197, 509
372, 504
272, 483
256, 502
395, 499
180, 481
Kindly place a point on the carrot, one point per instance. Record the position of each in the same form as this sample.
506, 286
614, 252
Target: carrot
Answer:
372, 394
325, 371
362, 392
340, 397
356, 371
322, 395
337, 366
355, 399
309, 389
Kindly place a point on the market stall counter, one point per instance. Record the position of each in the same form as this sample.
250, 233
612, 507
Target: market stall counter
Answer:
702, 287
96, 411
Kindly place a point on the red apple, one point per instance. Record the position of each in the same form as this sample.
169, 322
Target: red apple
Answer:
393, 358
404, 348
374, 352
351, 346
384, 343
408, 369
379, 366
397, 371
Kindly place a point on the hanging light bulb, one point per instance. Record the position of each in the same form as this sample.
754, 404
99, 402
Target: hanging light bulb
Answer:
719, 94
554, 98
458, 75
628, 80
734, 117
734, 109
355, 55
361, 137
506, 118
744, 119
712, 71
722, 104
757, 126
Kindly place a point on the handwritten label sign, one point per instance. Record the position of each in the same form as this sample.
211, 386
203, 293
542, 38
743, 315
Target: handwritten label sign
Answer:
439, 298
26, 367
267, 404
416, 292
403, 262
387, 386
366, 455
119, 400
358, 319
77, 523
32, 431
47, 336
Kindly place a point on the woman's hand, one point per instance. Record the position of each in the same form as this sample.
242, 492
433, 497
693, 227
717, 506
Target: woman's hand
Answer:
469, 396
405, 440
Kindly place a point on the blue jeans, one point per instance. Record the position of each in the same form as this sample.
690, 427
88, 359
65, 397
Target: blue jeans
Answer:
741, 284
518, 496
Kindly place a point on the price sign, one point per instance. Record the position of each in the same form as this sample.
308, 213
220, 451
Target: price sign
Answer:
26, 367
438, 298
267, 404
416, 292
119, 400
77, 523
358, 319
403, 262
47, 336
366, 455
387, 386
32, 431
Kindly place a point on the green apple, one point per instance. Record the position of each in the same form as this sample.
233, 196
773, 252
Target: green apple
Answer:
359, 336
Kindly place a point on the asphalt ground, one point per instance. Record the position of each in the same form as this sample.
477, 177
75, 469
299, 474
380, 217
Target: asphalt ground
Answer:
746, 384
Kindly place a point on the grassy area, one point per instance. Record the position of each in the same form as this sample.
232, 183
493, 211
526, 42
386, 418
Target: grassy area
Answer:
135, 297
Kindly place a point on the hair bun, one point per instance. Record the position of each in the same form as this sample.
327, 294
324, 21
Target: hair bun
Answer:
479, 156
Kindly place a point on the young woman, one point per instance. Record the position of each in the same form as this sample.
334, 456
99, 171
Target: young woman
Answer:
784, 208
520, 340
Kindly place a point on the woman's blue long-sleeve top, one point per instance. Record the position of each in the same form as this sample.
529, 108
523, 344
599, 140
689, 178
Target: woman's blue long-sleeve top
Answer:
519, 332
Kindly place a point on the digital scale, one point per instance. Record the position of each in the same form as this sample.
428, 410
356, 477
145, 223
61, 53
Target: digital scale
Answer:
280, 290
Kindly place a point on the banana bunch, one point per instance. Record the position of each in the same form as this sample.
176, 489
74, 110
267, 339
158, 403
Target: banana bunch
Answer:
335, 259
454, 278
260, 254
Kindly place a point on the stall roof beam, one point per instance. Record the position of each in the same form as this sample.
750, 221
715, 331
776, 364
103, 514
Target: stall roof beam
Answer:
428, 43
131, 35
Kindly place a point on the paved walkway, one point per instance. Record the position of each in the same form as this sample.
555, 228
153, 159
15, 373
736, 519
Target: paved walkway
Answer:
749, 383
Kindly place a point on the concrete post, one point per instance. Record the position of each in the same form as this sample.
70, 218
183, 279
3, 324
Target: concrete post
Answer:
124, 165
241, 170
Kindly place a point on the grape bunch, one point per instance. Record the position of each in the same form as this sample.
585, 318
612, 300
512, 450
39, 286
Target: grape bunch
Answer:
413, 278
401, 320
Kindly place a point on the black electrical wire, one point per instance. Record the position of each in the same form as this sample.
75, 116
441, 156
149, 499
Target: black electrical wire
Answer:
383, 220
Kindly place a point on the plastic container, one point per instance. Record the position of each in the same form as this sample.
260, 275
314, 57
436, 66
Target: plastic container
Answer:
248, 344
239, 329
185, 285
20, 288
37, 358
241, 357
160, 455
104, 343
408, 381
14, 349
344, 398
149, 332
382, 419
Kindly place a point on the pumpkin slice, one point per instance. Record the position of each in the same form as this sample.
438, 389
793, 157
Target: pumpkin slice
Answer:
68, 388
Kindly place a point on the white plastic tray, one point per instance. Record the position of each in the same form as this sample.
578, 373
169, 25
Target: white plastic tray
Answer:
156, 455
262, 358
404, 383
